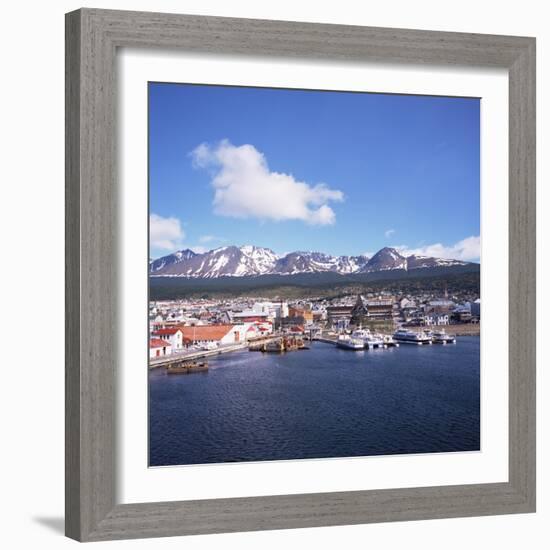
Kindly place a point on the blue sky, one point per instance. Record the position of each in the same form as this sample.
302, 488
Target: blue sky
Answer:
342, 173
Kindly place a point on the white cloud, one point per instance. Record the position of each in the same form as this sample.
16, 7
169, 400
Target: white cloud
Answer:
467, 250
388, 233
165, 233
246, 188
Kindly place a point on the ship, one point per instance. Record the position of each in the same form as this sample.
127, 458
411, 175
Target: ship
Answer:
188, 367
285, 343
441, 337
275, 346
370, 340
389, 342
350, 343
404, 336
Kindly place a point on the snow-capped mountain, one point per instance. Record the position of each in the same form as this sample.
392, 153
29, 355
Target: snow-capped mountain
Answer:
227, 261
416, 262
233, 261
315, 262
170, 260
386, 259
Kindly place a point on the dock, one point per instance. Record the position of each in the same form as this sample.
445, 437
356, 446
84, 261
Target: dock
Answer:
278, 344
176, 358
334, 342
326, 340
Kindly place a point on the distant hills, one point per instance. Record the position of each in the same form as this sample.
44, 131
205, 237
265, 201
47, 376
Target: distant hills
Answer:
256, 262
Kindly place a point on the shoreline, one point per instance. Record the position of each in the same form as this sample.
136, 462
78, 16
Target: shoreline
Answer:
463, 330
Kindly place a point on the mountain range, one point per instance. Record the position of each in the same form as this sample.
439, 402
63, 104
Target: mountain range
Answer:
247, 261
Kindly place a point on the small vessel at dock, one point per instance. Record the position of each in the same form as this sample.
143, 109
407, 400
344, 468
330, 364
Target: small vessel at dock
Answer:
369, 339
404, 336
374, 341
389, 342
187, 367
347, 342
441, 337
284, 343
275, 346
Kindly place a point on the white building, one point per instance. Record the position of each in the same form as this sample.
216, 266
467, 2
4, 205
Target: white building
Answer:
436, 319
272, 309
159, 348
213, 334
174, 336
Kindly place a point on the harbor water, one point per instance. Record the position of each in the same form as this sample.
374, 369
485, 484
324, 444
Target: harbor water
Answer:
318, 403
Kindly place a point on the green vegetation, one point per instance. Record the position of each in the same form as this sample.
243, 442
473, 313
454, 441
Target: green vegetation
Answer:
293, 287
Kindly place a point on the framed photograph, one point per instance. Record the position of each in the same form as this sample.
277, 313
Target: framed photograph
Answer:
300, 275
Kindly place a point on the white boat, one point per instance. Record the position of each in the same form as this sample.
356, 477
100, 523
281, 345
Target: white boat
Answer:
347, 342
369, 339
374, 341
361, 333
441, 337
390, 342
404, 336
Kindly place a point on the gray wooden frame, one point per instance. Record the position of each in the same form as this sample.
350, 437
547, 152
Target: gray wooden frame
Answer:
92, 38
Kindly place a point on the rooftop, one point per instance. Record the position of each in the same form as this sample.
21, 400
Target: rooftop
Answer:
206, 332
157, 343
166, 331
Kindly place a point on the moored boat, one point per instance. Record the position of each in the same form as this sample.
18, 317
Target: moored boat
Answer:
441, 337
370, 340
390, 342
188, 367
374, 341
347, 342
275, 346
404, 336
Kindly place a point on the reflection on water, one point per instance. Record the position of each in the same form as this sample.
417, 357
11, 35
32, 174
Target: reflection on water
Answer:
324, 402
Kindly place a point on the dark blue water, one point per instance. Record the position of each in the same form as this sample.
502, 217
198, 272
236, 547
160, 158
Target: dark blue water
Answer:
324, 402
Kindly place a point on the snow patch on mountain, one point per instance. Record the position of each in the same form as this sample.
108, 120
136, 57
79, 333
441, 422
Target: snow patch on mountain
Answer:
232, 261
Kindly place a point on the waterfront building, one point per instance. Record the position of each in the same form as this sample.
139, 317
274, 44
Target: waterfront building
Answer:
436, 319
274, 309
415, 318
380, 309
440, 306
319, 315
250, 316
172, 335
253, 330
359, 312
304, 313
407, 303
462, 315
159, 348
339, 317
213, 334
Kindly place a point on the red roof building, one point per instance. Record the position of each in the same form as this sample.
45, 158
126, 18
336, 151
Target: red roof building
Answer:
157, 343
166, 331
159, 348
172, 335
225, 334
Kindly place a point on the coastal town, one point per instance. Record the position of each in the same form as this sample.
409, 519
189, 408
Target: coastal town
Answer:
196, 328
313, 274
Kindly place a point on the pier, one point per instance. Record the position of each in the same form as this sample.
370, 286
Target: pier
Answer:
385, 342
176, 358
278, 344
325, 339
272, 343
